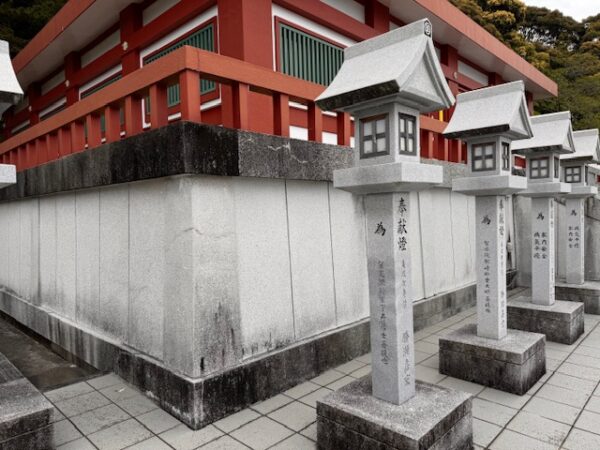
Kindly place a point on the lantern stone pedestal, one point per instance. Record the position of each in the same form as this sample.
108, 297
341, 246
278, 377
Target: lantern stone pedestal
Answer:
434, 418
587, 293
386, 83
488, 353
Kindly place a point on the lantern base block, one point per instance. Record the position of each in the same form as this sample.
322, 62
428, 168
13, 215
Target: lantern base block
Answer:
435, 418
513, 364
561, 322
587, 293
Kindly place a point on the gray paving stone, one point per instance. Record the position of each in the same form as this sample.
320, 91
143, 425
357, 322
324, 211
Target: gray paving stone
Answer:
492, 412
312, 398
364, 370
77, 444
583, 360
580, 440
68, 392
63, 431
593, 404
296, 416
589, 421
136, 404
302, 389
119, 391
262, 433
83, 403
224, 443
562, 395
428, 374
310, 432
552, 410
154, 443
121, 435
504, 398
296, 442
349, 367
539, 428
484, 432
236, 420
271, 404
182, 438
158, 421
570, 382
105, 381
587, 373
340, 383
327, 377
99, 418
461, 385
509, 440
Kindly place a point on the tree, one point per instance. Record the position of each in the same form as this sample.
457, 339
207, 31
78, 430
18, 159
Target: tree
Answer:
21, 20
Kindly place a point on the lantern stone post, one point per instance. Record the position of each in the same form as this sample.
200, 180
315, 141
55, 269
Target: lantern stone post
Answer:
10, 94
560, 321
385, 83
576, 171
488, 120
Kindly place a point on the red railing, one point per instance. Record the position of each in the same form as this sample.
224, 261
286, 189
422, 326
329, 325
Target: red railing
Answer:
78, 127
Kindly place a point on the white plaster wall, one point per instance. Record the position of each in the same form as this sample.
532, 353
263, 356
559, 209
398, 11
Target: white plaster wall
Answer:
180, 268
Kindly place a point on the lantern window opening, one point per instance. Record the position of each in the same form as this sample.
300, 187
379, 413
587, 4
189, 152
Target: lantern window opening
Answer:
374, 136
484, 157
573, 174
505, 156
539, 168
407, 134
556, 167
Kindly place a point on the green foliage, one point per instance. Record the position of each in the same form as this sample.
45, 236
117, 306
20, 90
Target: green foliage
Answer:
564, 49
20, 20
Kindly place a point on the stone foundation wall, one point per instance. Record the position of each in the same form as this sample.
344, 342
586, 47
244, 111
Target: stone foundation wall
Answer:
200, 268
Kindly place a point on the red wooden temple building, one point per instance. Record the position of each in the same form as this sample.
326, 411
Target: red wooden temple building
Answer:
254, 65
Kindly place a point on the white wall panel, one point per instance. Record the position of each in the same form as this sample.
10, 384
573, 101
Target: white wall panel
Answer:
349, 256
267, 316
66, 269
311, 258
87, 217
114, 261
48, 258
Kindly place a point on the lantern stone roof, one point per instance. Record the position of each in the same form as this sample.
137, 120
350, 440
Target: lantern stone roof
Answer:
400, 64
587, 146
551, 132
494, 110
10, 89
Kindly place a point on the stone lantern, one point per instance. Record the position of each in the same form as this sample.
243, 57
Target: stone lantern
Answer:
488, 120
560, 321
386, 83
576, 171
10, 94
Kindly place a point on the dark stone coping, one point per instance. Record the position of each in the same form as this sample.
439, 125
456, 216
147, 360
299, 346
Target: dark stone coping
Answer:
432, 310
418, 423
194, 149
516, 348
23, 409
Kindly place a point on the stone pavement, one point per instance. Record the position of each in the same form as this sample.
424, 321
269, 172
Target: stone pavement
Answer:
561, 411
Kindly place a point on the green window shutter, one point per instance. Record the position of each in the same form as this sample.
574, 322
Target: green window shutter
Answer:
203, 39
100, 86
307, 57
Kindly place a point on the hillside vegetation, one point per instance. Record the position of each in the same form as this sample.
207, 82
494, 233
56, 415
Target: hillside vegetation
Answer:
564, 49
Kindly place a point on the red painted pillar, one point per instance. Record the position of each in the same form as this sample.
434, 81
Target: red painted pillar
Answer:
246, 33
450, 59
33, 94
495, 79
72, 66
377, 16
529, 98
130, 21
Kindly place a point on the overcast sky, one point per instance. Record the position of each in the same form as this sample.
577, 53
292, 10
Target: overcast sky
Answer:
578, 9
